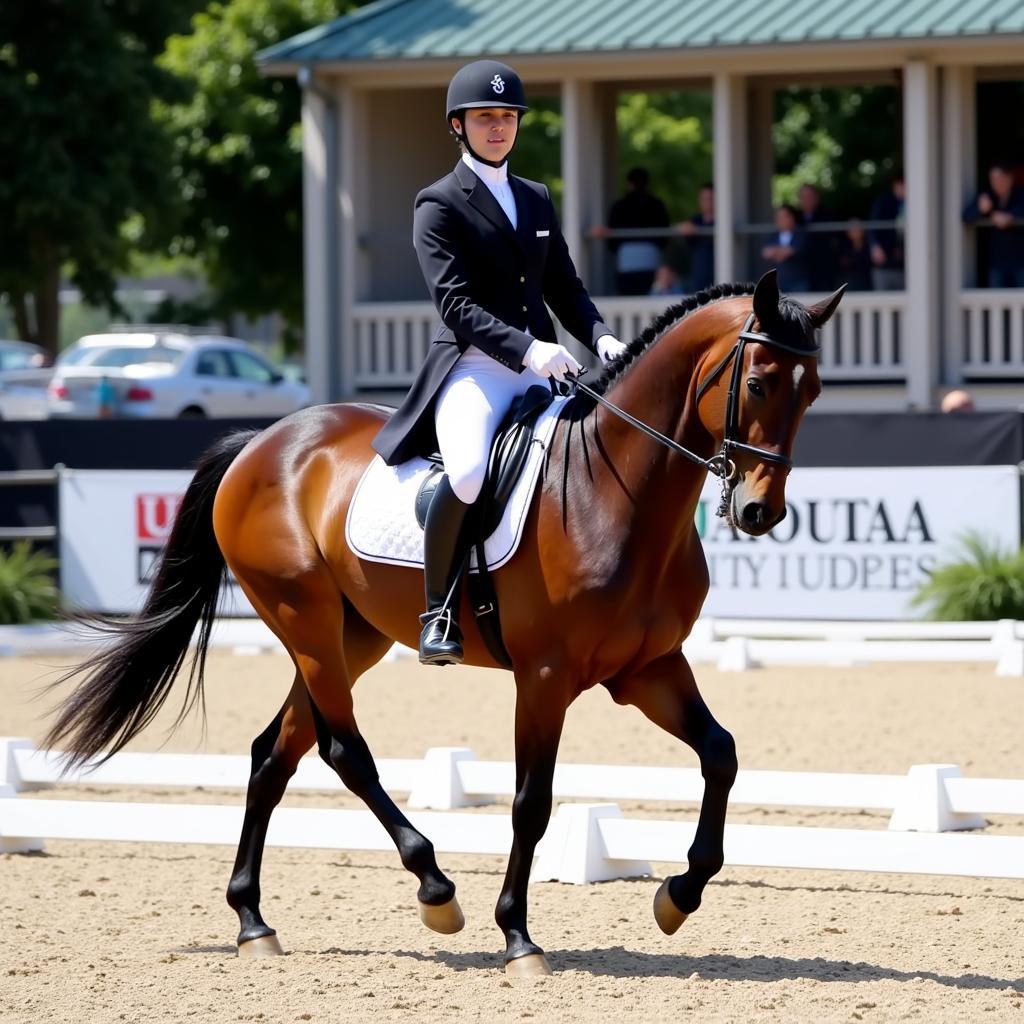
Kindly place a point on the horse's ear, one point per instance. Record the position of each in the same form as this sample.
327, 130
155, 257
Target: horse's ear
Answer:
821, 312
766, 300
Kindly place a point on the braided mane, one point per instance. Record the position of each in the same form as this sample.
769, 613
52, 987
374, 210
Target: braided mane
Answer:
618, 368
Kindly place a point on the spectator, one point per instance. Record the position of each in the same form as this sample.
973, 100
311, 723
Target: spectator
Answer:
666, 281
957, 400
702, 246
1003, 243
787, 249
635, 259
855, 258
821, 245
887, 269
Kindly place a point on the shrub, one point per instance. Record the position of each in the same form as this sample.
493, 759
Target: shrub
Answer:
985, 583
27, 588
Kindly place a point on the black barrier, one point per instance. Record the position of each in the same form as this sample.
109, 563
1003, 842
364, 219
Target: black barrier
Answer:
826, 439
97, 444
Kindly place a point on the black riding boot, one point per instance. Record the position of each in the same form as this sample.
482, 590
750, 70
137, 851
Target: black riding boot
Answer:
441, 638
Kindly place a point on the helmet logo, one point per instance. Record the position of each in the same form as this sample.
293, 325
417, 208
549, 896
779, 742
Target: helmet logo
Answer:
498, 84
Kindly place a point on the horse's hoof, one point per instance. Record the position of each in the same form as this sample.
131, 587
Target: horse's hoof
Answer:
666, 913
265, 945
446, 918
533, 965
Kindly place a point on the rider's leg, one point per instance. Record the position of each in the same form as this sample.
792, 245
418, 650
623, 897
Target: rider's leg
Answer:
469, 408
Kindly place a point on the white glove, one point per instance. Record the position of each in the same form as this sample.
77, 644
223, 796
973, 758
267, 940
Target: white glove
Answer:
609, 347
549, 360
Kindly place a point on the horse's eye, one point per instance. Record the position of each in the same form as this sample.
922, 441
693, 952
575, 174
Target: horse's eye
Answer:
754, 387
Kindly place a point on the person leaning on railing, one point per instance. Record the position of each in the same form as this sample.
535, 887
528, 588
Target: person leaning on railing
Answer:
1000, 208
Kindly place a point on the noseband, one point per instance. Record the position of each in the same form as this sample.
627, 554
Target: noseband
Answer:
721, 465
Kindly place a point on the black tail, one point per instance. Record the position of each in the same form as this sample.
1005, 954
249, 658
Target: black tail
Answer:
126, 683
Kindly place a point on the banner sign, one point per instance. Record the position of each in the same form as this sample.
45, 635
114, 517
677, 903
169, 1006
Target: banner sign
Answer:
113, 527
855, 543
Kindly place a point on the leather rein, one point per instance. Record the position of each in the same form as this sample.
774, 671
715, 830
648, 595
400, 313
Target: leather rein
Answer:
721, 465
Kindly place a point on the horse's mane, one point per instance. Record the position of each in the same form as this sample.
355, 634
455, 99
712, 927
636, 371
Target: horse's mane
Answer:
793, 320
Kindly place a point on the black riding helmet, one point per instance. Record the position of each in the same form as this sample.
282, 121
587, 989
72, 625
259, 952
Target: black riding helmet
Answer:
484, 83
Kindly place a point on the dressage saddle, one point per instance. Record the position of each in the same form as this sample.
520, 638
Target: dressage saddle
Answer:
508, 457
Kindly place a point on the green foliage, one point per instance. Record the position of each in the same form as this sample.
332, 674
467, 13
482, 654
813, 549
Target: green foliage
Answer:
237, 153
79, 151
847, 141
669, 133
538, 153
985, 583
27, 590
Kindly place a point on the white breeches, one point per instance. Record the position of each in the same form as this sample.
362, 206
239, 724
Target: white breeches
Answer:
474, 397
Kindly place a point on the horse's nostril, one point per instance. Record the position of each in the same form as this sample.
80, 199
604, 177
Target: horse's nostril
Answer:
753, 514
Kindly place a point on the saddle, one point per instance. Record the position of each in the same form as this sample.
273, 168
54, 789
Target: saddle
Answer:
508, 456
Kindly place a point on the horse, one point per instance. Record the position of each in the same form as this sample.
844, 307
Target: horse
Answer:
605, 586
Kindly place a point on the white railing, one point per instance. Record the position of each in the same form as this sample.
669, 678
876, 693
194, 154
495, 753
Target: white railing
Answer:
736, 645
584, 843
864, 341
390, 342
992, 326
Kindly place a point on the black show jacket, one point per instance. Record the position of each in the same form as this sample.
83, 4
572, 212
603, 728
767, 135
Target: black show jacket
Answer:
489, 282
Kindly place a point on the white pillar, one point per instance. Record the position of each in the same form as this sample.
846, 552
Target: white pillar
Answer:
730, 163
315, 211
920, 340
579, 132
354, 271
958, 149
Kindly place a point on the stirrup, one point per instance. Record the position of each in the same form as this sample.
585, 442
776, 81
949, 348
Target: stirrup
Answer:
440, 638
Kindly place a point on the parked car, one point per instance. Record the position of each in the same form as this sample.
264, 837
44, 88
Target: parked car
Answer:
168, 375
24, 374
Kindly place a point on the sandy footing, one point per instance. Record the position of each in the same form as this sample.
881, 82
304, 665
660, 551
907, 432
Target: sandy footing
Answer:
106, 932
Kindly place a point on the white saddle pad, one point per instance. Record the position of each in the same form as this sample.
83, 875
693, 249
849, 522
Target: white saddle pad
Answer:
381, 524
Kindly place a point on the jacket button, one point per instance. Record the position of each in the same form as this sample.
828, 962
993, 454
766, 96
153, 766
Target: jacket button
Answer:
522, 280
524, 309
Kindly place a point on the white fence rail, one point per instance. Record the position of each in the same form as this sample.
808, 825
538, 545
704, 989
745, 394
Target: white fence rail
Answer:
865, 340
992, 332
736, 645
586, 842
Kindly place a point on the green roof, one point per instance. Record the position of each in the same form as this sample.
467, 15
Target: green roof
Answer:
412, 29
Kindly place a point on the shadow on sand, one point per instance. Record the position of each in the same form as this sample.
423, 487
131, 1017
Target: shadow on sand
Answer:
618, 962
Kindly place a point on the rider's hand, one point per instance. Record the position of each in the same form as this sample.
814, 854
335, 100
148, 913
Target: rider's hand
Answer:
550, 360
609, 347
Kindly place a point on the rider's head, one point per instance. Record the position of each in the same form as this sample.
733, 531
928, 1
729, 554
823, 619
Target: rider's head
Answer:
485, 101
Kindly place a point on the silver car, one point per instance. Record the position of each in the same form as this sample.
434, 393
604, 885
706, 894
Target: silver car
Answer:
169, 376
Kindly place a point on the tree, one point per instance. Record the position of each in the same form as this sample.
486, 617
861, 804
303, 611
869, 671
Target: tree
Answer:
238, 154
79, 152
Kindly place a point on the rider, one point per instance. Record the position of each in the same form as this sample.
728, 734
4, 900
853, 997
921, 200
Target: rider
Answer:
492, 254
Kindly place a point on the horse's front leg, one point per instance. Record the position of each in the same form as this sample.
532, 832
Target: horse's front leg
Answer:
666, 692
540, 713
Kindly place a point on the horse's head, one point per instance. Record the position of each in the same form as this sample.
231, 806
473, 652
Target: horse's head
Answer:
753, 391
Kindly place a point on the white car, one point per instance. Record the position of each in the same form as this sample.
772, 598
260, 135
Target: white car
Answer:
169, 376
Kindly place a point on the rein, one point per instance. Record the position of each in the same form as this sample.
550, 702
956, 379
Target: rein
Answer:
721, 465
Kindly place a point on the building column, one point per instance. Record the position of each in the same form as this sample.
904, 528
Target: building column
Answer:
959, 145
581, 159
921, 340
316, 211
730, 163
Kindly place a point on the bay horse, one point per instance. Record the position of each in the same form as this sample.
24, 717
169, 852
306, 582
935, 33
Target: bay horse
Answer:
608, 581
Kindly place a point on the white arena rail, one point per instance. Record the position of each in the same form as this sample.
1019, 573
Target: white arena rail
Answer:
929, 798
736, 645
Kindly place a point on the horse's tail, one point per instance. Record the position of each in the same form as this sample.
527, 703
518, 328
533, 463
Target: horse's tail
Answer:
126, 682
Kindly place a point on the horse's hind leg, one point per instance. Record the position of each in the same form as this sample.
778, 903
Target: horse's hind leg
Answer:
275, 756
666, 692
320, 645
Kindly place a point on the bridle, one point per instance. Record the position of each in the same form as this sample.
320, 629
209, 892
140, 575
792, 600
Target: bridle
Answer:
721, 465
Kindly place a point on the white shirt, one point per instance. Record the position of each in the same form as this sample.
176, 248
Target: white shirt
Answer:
496, 180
